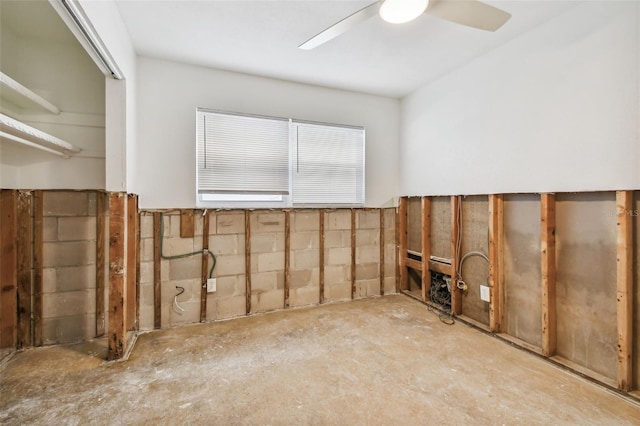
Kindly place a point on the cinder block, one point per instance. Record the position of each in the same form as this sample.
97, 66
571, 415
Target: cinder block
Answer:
229, 286
305, 259
361, 290
146, 318
372, 287
146, 295
267, 222
146, 225
68, 329
177, 246
337, 291
75, 253
146, 249
185, 268
264, 281
230, 222
334, 239
267, 301
367, 254
68, 303
305, 296
305, 220
367, 219
390, 219
367, 237
191, 290
70, 278
300, 278
191, 313
336, 273
77, 228
65, 203
224, 244
305, 240
338, 219
146, 272
263, 243
338, 256
50, 228
230, 265
229, 307
171, 223
367, 271
212, 307
270, 262
390, 285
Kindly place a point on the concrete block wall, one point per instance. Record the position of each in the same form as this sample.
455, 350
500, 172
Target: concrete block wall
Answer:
305, 257
337, 255
441, 227
267, 254
367, 253
227, 242
69, 266
267, 260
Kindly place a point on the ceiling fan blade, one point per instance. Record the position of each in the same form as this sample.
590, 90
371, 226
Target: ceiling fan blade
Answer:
471, 13
341, 27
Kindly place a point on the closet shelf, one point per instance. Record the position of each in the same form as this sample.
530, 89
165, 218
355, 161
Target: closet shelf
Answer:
24, 97
16, 131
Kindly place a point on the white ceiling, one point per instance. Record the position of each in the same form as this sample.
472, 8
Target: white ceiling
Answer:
261, 38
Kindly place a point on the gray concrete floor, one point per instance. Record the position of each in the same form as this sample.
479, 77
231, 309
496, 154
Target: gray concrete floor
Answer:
386, 361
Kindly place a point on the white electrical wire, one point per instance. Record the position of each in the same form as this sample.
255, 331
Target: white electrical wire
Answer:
175, 299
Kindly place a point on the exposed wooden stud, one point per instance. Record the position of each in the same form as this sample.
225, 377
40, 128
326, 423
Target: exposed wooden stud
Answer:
100, 264
456, 235
353, 253
496, 284
187, 224
205, 266
287, 256
625, 290
402, 251
548, 272
157, 268
247, 265
23, 246
137, 302
425, 227
413, 264
321, 213
440, 267
117, 276
8, 267
381, 238
38, 265
132, 249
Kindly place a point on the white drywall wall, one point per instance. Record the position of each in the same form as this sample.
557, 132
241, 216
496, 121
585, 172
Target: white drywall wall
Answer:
169, 93
120, 96
556, 109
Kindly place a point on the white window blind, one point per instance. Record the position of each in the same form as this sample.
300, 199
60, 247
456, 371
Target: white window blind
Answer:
327, 164
242, 154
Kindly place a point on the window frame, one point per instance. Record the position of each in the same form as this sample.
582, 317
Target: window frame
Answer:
287, 199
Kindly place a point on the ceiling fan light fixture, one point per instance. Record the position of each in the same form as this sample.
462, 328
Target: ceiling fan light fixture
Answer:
401, 11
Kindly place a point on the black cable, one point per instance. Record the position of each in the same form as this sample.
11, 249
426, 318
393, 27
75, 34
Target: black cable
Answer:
182, 256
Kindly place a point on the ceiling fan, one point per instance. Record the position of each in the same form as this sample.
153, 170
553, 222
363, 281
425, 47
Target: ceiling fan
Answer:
471, 13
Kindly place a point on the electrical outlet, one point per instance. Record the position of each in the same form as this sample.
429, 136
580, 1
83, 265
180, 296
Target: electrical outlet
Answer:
211, 285
484, 293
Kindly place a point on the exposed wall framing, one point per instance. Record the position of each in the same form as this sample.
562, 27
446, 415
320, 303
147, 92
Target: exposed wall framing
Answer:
117, 275
548, 272
624, 280
8, 268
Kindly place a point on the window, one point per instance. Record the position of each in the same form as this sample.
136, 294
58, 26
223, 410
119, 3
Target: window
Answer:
251, 161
